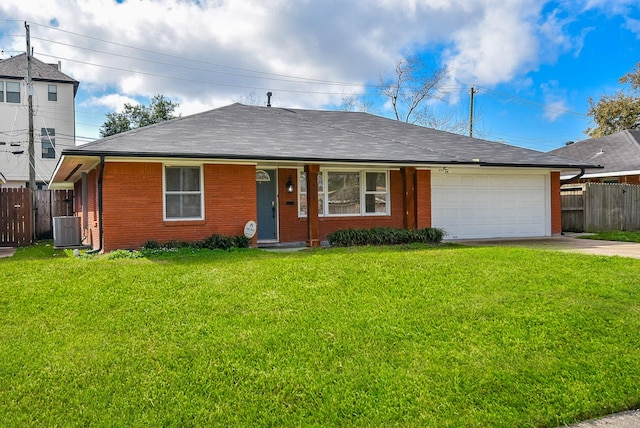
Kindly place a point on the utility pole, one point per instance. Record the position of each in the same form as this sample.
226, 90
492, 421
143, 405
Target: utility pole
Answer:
32, 157
473, 91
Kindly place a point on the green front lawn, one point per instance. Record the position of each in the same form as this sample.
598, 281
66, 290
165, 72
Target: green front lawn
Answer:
412, 336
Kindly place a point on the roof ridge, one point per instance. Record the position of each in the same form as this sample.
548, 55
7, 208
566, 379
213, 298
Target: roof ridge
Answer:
378, 137
632, 139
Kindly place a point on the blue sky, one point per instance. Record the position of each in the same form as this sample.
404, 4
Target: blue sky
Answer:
534, 63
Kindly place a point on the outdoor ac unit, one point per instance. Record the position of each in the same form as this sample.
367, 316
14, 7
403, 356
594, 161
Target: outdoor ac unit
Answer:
66, 232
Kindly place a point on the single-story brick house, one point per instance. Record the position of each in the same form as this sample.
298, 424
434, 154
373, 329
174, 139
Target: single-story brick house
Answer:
301, 174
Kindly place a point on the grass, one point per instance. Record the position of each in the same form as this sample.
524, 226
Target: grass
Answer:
404, 336
625, 236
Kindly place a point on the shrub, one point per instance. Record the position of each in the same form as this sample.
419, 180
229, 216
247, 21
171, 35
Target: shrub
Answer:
124, 254
152, 245
178, 244
213, 242
384, 236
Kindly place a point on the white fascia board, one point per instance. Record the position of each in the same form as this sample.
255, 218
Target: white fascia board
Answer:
604, 174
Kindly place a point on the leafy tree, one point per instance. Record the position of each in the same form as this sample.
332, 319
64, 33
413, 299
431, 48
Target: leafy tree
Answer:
137, 116
614, 113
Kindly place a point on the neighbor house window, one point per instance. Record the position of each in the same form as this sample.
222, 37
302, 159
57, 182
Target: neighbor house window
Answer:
53, 93
47, 137
348, 193
13, 92
1, 91
183, 192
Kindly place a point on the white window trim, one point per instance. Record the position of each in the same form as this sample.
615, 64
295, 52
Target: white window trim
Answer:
48, 137
386, 193
19, 92
49, 92
164, 193
363, 193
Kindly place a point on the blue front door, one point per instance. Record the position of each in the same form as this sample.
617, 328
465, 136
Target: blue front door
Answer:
267, 205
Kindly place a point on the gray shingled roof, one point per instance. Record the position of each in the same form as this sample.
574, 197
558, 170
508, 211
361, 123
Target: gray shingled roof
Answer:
16, 68
268, 133
616, 152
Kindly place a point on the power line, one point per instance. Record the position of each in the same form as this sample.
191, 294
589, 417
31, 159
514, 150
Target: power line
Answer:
512, 98
144, 73
296, 78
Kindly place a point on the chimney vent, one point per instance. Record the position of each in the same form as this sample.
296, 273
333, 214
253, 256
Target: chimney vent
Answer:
269, 94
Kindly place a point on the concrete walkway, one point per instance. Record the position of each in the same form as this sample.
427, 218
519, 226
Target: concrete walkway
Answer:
568, 243
630, 419
7, 251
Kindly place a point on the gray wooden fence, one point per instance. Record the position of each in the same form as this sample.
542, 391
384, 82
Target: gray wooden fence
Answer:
598, 207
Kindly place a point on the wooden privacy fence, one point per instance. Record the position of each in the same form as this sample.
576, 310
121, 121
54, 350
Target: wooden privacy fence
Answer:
598, 207
50, 204
15, 217
15, 214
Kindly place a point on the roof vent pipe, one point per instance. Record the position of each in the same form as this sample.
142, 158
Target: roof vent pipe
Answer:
269, 94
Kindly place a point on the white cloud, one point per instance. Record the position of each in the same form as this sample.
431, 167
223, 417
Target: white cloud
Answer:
554, 100
498, 44
114, 102
633, 25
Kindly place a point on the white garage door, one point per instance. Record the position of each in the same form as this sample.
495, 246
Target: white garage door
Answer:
490, 205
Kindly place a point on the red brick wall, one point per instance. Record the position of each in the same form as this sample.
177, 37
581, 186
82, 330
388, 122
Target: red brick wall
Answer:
556, 205
423, 198
133, 204
292, 228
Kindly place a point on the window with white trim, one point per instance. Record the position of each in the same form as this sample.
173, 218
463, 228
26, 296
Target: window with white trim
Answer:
183, 199
343, 193
13, 92
1, 91
48, 140
376, 196
348, 193
52, 93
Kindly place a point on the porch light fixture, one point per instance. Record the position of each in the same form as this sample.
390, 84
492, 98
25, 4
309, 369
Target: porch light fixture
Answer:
290, 185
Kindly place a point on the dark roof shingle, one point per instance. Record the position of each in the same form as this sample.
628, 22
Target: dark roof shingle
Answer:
616, 152
268, 133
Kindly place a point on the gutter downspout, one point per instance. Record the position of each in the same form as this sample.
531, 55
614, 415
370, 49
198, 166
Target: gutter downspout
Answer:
100, 228
569, 180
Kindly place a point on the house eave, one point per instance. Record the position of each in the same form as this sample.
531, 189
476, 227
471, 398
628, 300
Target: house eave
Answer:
318, 160
608, 174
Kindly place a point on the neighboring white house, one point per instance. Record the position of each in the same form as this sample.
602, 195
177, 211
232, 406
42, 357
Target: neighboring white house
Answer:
53, 122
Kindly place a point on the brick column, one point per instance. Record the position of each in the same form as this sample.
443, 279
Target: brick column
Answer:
408, 197
423, 198
313, 225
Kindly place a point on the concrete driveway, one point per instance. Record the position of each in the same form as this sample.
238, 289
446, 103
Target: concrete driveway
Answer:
7, 251
568, 243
